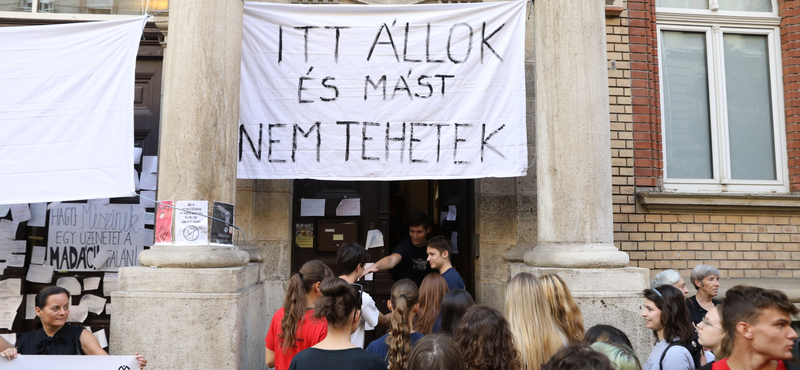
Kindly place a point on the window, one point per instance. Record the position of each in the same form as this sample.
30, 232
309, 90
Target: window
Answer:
77, 9
721, 96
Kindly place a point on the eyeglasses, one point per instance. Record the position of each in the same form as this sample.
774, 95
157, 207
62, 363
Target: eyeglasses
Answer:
705, 322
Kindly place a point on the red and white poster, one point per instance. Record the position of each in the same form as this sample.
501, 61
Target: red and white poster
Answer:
164, 222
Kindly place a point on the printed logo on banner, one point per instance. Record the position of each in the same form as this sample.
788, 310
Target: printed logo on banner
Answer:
390, 92
78, 232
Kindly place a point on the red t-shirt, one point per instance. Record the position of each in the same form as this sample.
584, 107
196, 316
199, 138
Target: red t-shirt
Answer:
723, 365
309, 332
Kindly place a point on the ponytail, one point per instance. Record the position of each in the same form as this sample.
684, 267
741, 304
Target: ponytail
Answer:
404, 296
295, 302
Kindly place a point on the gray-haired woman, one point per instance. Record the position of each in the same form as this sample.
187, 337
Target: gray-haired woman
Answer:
669, 277
705, 279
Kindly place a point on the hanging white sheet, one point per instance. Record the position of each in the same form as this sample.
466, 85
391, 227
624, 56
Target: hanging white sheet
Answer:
383, 92
66, 110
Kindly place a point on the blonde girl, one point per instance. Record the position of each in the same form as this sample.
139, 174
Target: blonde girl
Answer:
395, 347
536, 334
564, 309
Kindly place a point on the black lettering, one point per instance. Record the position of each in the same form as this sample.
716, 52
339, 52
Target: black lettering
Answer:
336, 46
376, 42
269, 135
485, 141
412, 140
449, 42
439, 138
332, 87
382, 81
305, 38
243, 134
398, 88
455, 146
401, 139
347, 140
405, 49
280, 44
428, 48
484, 41
364, 139
443, 77
426, 84
300, 89
305, 135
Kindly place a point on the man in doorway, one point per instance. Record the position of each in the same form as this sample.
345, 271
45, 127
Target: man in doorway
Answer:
760, 324
439, 252
411, 254
351, 259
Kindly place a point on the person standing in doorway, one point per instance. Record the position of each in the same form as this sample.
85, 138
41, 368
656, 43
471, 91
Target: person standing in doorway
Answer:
439, 252
411, 254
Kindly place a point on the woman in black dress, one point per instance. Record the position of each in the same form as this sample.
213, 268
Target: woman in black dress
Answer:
55, 337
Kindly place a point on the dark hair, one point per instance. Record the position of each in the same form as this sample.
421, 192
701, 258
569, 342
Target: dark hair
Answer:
454, 304
431, 292
485, 340
441, 244
349, 256
578, 356
606, 333
294, 304
404, 296
745, 303
674, 313
438, 352
338, 302
41, 297
419, 219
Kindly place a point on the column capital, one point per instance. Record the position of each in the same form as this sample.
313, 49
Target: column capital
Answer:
576, 255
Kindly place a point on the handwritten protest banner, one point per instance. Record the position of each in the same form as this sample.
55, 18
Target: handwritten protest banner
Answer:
28, 362
354, 92
78, 232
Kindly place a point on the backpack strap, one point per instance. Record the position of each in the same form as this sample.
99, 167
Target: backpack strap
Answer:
664, 354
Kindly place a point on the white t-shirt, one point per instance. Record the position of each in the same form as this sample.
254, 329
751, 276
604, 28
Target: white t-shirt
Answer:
677, 358
369, 319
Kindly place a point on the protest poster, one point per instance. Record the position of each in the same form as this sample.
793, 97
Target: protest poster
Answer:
353, 92
78, 232
28, 362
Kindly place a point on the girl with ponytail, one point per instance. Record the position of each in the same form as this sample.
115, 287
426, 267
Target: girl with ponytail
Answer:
292, 328
340, 307
395, 346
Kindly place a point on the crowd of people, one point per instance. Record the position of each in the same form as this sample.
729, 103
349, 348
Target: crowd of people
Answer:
435, 324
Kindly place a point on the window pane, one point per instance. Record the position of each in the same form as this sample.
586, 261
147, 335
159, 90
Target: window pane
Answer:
686, 4
746, 5
16, 5
686, 111
749, 107
100, 6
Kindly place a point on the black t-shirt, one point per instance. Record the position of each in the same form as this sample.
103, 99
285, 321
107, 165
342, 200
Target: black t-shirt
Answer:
67, 341
696, 311
337, 359
415, 264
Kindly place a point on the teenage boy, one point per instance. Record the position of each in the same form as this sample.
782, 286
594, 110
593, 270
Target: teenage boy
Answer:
760, 324
411, 254
351, 259
439, 251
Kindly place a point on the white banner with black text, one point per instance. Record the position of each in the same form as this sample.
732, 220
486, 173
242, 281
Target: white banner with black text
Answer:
383, 92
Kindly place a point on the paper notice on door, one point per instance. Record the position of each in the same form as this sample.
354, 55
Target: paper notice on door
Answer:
20, 212
312, 207
191, 227
91, 283
30, 306
451, 213
374, 239
349, 207
368, 277
8, 310
71, 284
110, 284
78, 313
101, 338
93, 303
40, 274
37, 257
10, 287
38, 214
8, 229
16, 260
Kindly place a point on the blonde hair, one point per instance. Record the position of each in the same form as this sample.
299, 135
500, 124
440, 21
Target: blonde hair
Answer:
536, 334
564, 309
404, 296
726, 346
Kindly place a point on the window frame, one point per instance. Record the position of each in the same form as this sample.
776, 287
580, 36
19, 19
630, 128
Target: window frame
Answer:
35, 14
715, 27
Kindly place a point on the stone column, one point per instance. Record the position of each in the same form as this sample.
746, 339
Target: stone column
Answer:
201, 306
573, 170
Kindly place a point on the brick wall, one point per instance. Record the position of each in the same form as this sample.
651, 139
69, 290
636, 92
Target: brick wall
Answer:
751, 246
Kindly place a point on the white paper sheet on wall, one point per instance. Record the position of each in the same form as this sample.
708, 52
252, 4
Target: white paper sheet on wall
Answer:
40, 274
93, 303
91, 283
30, 306
10, 287
37, 257
16, 260
110, 280
38, 214
71, 284
101, 338
312, 207
78, 313
20, 212
8, 310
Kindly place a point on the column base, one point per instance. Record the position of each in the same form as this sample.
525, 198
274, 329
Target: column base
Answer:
191, 318
194, 256
574, 255
607, 296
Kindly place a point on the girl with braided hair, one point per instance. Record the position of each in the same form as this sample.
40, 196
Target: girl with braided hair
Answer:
395, 346
292, 328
